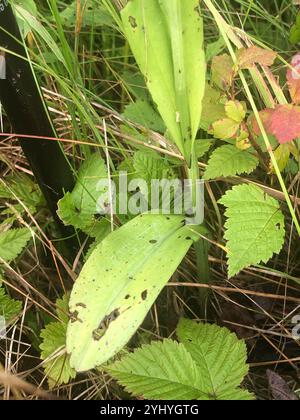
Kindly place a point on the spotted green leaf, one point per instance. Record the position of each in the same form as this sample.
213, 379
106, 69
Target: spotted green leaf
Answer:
120, 282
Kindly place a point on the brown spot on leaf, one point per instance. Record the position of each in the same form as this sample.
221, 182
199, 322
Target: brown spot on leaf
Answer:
81, 305
132, 22
144, 294
74, 317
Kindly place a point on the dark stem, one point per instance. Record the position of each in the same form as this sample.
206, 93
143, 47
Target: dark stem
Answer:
26, 110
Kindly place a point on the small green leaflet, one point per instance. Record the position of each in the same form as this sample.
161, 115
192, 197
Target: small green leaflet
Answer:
120, 282
209, 363
230, 161
9, 308
53, 347
79, 207
254, 228
12, 243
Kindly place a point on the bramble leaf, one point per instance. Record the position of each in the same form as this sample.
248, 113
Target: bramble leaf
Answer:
254, 228
230, 161
208, 364
53, 348
12, 243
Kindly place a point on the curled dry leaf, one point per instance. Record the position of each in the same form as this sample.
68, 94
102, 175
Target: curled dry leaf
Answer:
248, 57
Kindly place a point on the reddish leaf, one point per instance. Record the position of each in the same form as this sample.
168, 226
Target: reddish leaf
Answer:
283, 122
265, 117
247, 57
293, 79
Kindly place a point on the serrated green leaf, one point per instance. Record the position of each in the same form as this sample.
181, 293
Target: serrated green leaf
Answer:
209, 364
141, 112
150, 166
254, 228
22, 187
229, 161
57, 367
220, 356
12, 243
120, 282
202, 147
159, 371
9, 308
53, 348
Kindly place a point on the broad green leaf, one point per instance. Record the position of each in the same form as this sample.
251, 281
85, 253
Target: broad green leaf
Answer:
141, 112
53, 348
229, 161
148, 37
12, 243
79, 207
120, 282
219, 355
208, 364
166, 38
254, 228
